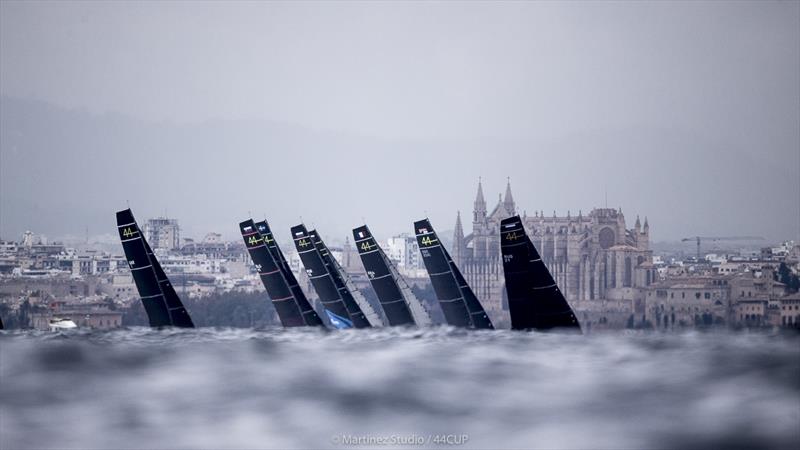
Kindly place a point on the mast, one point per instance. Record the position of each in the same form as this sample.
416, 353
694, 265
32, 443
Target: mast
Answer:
459, 304
149, 277
310, 316
340, 313
347, 289
286, 303
395, 306
534, 300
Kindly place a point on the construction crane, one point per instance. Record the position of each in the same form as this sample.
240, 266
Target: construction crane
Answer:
718, 238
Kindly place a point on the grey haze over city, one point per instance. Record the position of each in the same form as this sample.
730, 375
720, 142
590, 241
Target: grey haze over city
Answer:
340, 112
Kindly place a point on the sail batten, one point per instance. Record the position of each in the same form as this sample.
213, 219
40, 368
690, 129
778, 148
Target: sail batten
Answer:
395, 305
534, 299
459, 304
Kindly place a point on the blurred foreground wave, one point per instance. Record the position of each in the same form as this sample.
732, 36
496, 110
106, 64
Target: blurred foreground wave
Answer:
306, 388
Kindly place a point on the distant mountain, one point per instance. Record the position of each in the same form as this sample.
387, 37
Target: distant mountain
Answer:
63, 170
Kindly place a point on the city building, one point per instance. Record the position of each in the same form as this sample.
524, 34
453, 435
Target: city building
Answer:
162, 232
592, 257
688, 301
404, 251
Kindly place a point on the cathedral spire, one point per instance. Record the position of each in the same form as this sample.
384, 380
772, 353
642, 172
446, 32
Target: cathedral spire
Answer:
479, 211
508, 202
458, 239
638, 225
646, 225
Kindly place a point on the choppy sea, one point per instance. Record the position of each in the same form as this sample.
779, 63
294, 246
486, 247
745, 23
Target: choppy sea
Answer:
396, 387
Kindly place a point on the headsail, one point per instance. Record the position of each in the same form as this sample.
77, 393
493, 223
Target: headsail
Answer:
534, 300
459, 304
149, 277
341, 313
310, 316
394, 304
289, 306
346, 287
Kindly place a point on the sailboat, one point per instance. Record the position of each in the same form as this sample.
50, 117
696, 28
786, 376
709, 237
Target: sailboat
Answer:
342, 314
290, 303
161, 302
399, 304
459, 304
343, 282
534, 300
309, 314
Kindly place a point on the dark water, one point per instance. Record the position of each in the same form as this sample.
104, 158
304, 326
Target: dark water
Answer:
226, 388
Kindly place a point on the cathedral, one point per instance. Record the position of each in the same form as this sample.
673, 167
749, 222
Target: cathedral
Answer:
592, 257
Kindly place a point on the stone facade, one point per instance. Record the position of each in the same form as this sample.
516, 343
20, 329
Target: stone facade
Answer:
591, 257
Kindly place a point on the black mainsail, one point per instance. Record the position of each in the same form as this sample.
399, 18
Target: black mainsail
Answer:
291, 305
419, 311
310, 316
534, 300
395, 305
340, 313
459, 304
180, 318
161, 302
346, 287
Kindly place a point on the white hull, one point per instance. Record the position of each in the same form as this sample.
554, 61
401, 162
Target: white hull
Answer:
61, 324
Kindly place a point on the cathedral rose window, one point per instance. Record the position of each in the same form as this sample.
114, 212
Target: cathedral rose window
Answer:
606, 238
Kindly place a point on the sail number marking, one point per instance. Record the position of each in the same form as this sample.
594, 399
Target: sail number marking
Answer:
427, 241
128, 232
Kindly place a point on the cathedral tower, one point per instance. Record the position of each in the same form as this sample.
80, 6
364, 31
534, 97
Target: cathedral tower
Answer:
508, 201
479, 210
458, 240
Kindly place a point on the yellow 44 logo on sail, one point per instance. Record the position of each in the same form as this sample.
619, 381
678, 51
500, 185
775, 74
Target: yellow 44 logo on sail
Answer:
427, 241
127, 232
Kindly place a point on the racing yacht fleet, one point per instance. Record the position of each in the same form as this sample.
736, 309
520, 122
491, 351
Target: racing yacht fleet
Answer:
534, 299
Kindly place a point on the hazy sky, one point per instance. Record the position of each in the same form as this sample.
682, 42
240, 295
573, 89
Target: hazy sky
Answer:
686, 112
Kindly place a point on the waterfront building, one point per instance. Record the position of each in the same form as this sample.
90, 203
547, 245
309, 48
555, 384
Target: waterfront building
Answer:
592, 257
